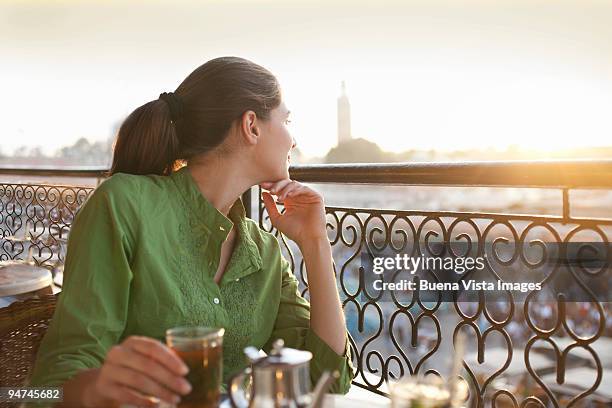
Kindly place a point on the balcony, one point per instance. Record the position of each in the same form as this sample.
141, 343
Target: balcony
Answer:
519, 352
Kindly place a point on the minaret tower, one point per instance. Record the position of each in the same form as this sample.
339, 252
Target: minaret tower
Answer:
344, 116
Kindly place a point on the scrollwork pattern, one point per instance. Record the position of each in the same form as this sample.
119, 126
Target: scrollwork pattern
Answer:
386, 335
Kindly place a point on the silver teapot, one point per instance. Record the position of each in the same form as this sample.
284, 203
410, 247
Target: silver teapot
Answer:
278, 380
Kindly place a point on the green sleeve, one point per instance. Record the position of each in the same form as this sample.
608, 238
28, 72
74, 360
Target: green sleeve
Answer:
293, 326
91, 311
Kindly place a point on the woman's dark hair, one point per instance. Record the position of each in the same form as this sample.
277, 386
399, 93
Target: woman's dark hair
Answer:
214, 96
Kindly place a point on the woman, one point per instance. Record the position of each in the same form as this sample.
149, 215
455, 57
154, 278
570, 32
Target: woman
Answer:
158, 246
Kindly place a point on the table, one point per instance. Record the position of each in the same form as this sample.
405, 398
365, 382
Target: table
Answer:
18, 278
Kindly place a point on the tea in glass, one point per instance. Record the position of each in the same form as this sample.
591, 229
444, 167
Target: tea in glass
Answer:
201, 348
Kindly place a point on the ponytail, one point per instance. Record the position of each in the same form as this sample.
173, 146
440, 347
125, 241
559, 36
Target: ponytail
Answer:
147, 142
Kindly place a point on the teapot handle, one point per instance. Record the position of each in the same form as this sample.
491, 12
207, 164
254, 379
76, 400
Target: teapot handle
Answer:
236, 392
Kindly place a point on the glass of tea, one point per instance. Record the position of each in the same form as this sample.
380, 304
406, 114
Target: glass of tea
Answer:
201, 348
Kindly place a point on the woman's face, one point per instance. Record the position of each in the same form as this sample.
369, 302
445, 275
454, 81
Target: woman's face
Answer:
273, 149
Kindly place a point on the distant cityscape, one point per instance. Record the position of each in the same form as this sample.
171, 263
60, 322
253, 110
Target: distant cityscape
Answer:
347, 150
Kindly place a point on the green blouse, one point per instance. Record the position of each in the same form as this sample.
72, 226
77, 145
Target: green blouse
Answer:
142, 254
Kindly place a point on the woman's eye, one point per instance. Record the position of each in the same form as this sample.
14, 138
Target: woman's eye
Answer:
287, 121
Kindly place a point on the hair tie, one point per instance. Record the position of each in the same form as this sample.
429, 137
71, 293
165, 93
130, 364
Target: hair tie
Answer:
175, 105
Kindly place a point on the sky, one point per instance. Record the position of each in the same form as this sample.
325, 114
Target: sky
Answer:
432, 74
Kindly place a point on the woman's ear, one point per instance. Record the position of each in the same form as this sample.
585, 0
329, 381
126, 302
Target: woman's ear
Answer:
249, 129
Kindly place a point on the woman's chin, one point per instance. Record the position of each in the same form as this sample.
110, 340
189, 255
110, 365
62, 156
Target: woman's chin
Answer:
283, 171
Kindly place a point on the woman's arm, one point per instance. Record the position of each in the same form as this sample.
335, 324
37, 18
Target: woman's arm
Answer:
317, 326
326, 316
293, 324
83, 349
304, 222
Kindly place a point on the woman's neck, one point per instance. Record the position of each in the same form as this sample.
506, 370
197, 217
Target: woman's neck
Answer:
220, 182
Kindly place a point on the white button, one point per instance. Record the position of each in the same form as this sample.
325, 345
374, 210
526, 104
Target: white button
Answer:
216, 300
221, 228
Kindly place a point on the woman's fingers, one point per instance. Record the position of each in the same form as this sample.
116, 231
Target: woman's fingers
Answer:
306, 194
291, 188
140, 370
122, 356
274, 187
282, 193
295, 191
279, 186
284, 190
270, 206
126, 377
157, 351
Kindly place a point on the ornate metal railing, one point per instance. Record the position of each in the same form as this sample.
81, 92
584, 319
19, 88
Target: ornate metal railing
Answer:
403, 336
519, 353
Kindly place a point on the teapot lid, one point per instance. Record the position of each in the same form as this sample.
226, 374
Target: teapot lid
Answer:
281, 355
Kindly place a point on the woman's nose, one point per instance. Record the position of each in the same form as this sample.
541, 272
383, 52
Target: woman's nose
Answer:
294, 143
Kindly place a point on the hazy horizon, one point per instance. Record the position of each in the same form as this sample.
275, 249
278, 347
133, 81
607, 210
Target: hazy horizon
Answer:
419, 74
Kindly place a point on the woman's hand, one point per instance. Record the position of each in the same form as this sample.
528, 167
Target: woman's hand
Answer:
136, 370
304, 216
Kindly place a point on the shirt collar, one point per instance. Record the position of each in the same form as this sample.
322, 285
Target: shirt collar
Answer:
214, 222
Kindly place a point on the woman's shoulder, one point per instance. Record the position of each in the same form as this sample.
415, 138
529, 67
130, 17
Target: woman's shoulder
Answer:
124, 198
123, 194
123, 187
124, 183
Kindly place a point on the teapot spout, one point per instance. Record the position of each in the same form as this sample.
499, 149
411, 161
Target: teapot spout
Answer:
321, 388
